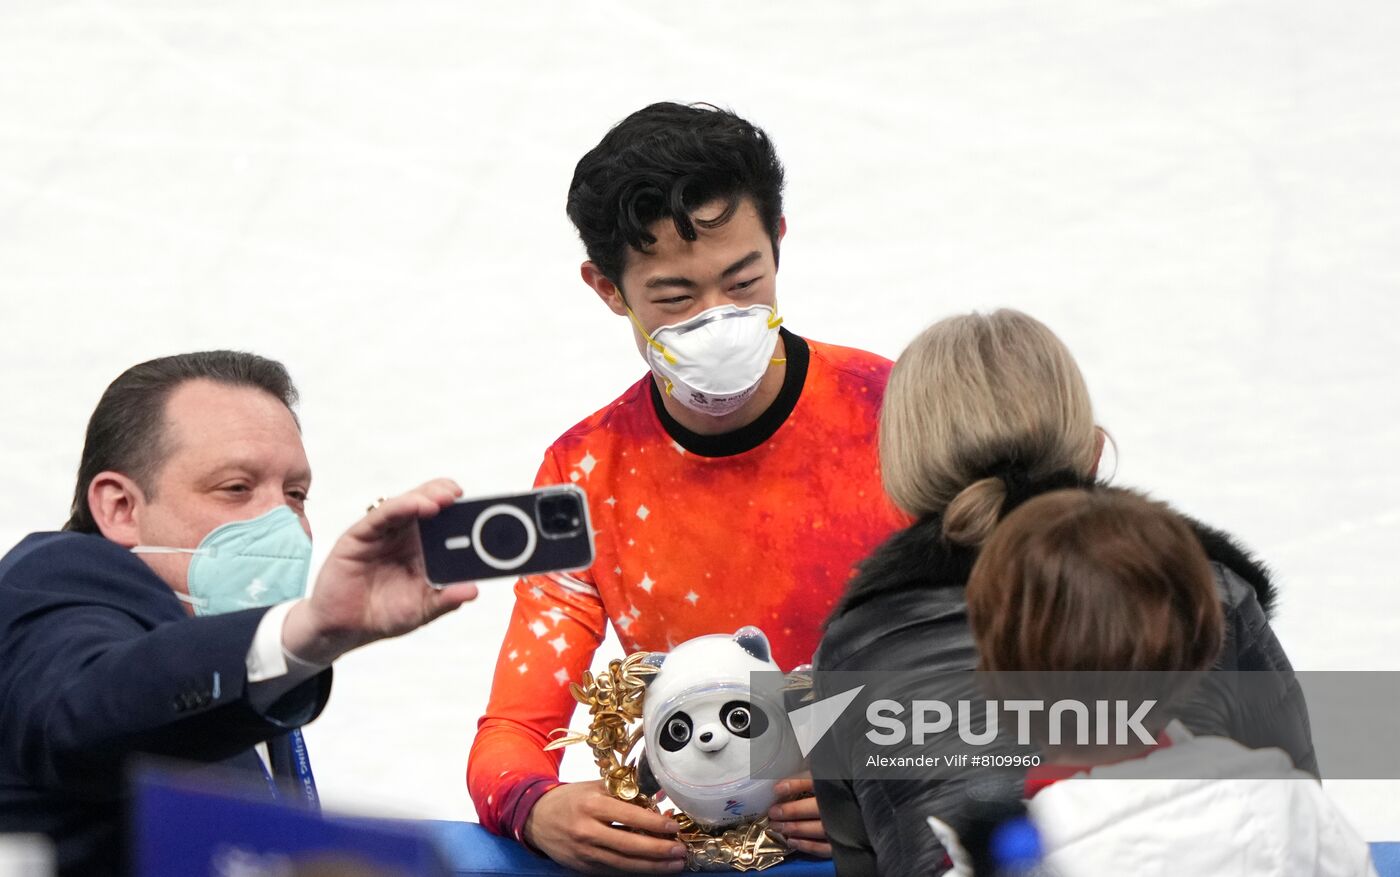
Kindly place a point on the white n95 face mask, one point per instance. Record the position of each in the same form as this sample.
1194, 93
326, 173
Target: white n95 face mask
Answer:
246, 564
713, 362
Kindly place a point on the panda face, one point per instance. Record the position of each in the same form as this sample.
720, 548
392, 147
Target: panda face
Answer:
737, 718
706, 742
704, 726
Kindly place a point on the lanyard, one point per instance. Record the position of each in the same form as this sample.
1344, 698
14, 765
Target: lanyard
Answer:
301, 772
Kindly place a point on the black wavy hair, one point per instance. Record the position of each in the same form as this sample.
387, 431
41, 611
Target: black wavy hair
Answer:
663, 162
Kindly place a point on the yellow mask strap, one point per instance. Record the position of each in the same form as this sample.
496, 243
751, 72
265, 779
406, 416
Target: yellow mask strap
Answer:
774, 322
661, 348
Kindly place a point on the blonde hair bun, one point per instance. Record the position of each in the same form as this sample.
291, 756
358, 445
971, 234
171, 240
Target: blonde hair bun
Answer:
969, 393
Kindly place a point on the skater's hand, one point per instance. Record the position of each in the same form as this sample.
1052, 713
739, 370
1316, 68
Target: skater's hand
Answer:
581, 826
796, 817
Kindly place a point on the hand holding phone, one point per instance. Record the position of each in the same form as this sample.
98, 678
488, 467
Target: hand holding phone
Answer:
543, 530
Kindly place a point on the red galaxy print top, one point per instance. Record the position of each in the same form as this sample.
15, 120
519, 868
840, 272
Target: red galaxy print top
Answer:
694, 535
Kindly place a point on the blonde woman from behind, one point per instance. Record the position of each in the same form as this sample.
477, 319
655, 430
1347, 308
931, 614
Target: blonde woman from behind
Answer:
984, 412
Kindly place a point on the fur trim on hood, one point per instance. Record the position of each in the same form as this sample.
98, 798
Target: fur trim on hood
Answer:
920, 557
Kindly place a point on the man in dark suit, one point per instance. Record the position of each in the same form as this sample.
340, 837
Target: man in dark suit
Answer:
168, 618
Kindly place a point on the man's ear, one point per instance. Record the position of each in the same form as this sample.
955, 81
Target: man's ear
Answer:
782, 233
605, 288
115, 501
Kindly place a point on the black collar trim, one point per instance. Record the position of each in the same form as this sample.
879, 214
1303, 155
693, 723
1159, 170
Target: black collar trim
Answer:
761, 430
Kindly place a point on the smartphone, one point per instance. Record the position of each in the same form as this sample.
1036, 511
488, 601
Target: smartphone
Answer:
544, 530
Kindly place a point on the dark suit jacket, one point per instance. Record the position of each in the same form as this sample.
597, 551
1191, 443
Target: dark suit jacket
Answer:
99, 663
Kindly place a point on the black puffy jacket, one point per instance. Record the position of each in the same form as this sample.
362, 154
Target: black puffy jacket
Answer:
905, 610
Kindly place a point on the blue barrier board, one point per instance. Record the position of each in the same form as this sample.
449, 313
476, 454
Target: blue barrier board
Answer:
182, 827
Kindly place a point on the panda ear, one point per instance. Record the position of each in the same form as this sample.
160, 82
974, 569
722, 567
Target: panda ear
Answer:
655, 659
755, 642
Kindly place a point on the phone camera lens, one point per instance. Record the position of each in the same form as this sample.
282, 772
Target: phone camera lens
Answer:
560, 515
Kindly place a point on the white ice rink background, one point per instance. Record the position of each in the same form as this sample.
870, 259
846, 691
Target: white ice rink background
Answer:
1202, 198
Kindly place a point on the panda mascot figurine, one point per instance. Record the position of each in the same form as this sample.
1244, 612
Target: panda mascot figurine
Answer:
701, 721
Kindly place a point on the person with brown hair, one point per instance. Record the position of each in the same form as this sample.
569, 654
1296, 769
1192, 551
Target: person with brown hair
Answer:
1085, 581
982, 413
1080, 581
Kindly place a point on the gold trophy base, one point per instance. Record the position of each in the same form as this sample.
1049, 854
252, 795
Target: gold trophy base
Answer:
749, 846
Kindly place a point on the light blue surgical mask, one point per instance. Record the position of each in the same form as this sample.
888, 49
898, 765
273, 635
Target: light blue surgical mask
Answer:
246, 564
